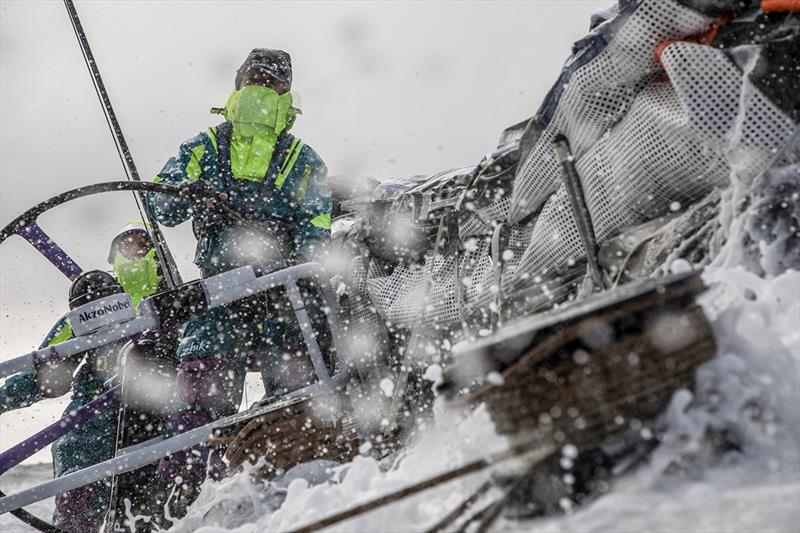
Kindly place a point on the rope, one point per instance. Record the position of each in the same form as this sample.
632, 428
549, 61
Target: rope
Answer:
465, 505
522, 450
163, 254
34, 521
497, 266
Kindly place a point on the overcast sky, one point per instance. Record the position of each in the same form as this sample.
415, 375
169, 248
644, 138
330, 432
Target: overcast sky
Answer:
388, 89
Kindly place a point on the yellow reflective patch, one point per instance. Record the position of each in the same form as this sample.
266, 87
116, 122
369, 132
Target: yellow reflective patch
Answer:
301, 190
158, 179
193, 168
212, 134
64, 334
294, 152
289, 153
322, 221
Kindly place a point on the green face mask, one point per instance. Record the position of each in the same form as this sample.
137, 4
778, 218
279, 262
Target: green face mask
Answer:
138, 277
258, 115
255, 110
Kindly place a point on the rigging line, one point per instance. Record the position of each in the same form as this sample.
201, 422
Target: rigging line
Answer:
531, 451
165, 258
89, 60
34, 521
162, 251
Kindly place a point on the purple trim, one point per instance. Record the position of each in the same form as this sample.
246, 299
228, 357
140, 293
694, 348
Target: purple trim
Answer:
46, 246
16, 454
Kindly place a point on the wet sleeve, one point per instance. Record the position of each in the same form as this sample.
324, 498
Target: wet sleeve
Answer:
187, 165
21, 390
313, 219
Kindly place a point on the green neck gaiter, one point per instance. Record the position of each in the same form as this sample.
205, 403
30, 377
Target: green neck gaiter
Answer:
138, 277
259, 115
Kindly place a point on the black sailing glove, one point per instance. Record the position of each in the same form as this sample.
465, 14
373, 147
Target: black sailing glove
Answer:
208, 205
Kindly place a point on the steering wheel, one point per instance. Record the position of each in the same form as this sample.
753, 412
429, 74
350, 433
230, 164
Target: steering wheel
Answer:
26, 225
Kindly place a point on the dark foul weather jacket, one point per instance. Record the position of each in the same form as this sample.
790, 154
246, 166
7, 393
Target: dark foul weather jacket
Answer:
290, 203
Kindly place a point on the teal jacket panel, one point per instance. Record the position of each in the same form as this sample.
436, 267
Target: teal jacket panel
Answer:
295, 207
20, 390
88, 444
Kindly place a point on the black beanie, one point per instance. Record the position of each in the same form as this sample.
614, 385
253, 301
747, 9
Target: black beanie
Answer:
274, 65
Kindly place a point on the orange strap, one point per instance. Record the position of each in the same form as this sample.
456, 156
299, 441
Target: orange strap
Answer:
705, 38
661, 46
776, 6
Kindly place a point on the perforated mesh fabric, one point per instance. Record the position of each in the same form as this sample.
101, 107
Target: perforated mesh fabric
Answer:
479, 223
519, 237
424, 296
418, 295
599, 95
677, 142
441, 307
399, 297
725, 110
648, 138
363, 316
477, 273
471, 224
